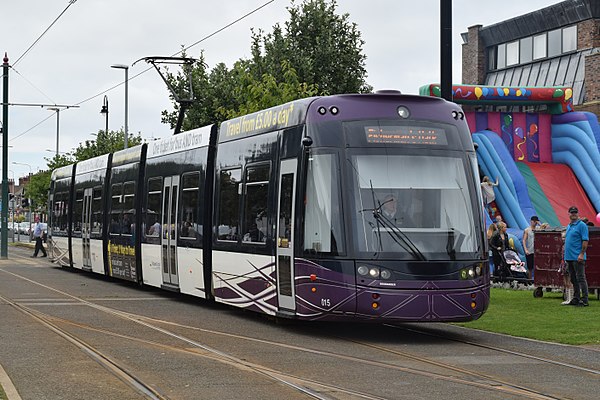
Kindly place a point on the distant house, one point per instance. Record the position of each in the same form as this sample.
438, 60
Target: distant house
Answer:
556, 46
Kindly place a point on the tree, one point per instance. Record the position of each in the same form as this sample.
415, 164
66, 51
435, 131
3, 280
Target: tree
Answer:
39, 183
325, 48
104, 144
318, 53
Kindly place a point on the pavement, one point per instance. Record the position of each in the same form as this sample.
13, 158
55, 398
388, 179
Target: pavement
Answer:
43, 366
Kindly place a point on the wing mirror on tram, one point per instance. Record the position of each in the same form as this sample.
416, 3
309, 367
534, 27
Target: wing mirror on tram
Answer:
307, 141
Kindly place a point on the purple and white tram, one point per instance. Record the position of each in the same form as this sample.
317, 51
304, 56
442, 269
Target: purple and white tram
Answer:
347, 207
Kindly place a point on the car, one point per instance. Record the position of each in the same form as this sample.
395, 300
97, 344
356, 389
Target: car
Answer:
25, 228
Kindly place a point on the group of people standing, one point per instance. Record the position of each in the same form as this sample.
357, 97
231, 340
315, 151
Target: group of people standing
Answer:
576, 238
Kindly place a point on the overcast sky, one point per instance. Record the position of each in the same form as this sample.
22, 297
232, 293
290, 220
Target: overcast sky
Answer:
71, 62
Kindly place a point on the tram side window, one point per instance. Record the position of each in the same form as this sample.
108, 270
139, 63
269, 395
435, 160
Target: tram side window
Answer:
153, 208
190, 194
229, 204
115, 209
97, 210
127, 223
78, 211
60, 211
323, 231
256, 188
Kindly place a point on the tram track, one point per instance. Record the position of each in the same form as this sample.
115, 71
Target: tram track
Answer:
502, 350
309, 387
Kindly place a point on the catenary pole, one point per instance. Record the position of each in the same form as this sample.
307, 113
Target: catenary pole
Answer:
4, 204
446, 49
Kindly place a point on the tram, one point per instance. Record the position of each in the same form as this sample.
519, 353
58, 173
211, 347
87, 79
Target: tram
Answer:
348, 207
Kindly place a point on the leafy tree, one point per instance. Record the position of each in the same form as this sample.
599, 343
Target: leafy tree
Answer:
317, 53
267, 92
104, 144
39, 184
325, 48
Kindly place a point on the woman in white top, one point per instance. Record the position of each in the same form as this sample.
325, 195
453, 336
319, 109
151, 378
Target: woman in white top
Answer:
487, 190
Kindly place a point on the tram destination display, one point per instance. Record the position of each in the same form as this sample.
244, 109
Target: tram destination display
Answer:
406, 135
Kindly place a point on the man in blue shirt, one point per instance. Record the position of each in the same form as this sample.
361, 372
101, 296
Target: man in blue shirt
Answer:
37, 234
576, 242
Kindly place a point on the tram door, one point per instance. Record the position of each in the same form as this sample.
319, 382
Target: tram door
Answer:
285, 235
86, 227
169, 230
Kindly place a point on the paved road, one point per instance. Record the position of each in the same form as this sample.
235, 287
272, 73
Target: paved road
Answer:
186, 348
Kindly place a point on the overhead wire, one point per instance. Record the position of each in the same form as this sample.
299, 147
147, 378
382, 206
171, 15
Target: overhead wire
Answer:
143, 71
182, 50
32, 85
71, 2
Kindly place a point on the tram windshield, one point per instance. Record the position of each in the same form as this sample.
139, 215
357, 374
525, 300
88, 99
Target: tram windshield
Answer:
412, 206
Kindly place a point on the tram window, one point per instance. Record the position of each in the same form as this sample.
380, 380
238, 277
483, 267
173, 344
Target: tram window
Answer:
255, 221
153, 207
128, 208
323, 214
229, 204
190, 188
97, 210
78, 211
60, 211
115, 209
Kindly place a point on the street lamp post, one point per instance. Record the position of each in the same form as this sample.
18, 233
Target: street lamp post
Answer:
57, 125
28, 195
104, 110
126, 68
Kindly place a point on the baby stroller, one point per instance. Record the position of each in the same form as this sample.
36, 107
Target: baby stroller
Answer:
512, 268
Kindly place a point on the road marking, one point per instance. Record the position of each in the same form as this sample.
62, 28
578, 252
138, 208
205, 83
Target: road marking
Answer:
7, 385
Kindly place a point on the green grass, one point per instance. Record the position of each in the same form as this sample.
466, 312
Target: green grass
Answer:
2, 394
518, 313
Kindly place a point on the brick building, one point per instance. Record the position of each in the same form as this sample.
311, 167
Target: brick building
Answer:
556, 46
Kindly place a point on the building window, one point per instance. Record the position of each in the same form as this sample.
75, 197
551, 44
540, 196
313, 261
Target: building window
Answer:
501, 56
569, 39
512, 53
539, 46
492, 58
554, 43
526, 49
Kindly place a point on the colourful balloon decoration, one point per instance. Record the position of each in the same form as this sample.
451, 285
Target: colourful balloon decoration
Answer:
519, 132
478, 92
507, 119
558, 93
598, 217
533, 129
568, 94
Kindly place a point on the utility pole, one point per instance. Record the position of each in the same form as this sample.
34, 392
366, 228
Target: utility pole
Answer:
4, 212
446, 49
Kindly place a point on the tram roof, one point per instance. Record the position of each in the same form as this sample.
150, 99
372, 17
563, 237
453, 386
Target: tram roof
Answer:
381, 104
92, 164
62, 172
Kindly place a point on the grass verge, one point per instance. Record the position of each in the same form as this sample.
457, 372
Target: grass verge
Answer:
2, 394
518, 313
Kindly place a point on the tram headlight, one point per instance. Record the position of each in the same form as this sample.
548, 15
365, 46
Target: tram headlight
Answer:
363, 270
385, 274
463, 274
374, 272
471, 273
478, 270
403, 112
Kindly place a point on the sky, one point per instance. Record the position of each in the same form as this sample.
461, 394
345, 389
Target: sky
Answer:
70, 63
